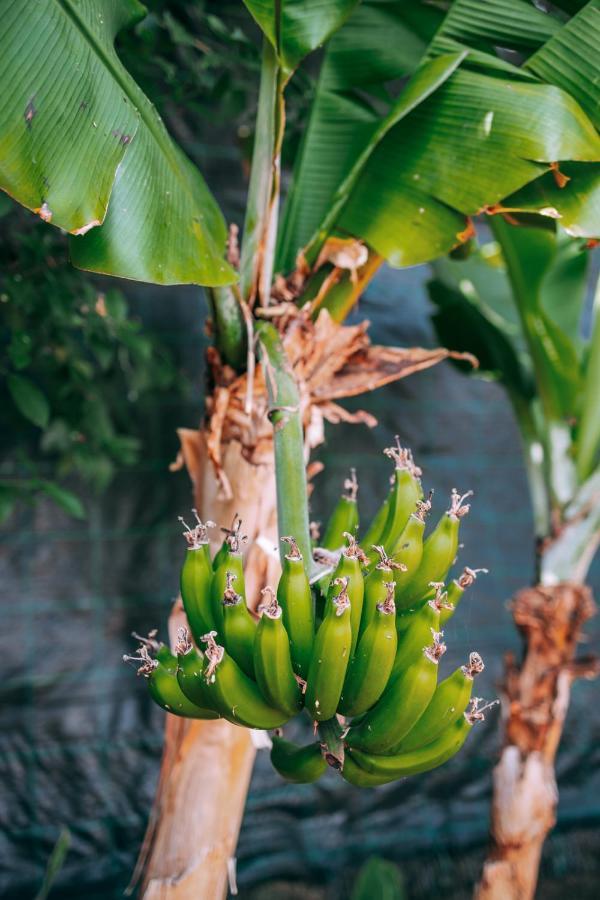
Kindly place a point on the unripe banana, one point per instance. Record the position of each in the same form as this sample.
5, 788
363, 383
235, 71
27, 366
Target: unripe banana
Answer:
402, 704
272, 660
447, 705
411, 762
233, 694
191, 671
359, 777
331, 655
295, 598
371, 665
349, 566
439, 552
376, 587
344, 517
300, 765
160, 651
417, 636
409, 548
231, 562
373, 534
164, 688
195, 579
406, 491
456, 590
239, 627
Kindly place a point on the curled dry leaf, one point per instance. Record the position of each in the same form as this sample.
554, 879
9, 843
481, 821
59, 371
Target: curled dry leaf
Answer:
330, 362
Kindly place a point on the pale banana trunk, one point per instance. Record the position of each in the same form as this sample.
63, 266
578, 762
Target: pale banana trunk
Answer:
206, 766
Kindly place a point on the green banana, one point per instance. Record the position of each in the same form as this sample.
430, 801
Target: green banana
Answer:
403, 702
191, 669
439, 552
344, 516
295, 598
300, 765
233, 694
195, 579
447, 705
373, 534
409, 548
165, 690
272, 660
350, 566
413, 640
161, 651
406, 491
331, 655
359, 777
411, 762
376, 587
371, 665
457, 589
231, 562
239, 627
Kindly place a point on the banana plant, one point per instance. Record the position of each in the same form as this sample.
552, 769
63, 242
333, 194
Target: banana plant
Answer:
424, 116
528, 304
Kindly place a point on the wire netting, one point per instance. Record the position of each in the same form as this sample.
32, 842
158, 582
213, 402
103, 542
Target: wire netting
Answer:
80, 740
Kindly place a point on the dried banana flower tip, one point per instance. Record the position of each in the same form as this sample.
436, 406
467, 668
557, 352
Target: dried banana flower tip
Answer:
234, 536
437, 649
146, 665
270, 607
439, 602
475, 665
183, 644
214, 654
150, 641
353, 551
468, 576
423, 507
342, 601
476, 713
230, 597
403, 458
294, 551
388, 607
351, 487
197, 536
458, 508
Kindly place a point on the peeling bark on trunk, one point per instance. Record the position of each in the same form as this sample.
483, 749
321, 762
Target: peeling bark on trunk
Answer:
536, 699
206, 766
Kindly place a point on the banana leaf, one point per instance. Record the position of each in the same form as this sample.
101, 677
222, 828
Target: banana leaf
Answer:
83, 147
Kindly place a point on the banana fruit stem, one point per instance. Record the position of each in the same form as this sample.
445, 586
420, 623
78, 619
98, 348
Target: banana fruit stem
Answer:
285, 416
330, 733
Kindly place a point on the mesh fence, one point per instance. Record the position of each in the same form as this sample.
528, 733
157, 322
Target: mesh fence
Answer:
80, 740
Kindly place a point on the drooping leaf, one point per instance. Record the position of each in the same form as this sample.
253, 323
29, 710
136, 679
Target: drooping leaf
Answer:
296, 27
79, 137
29, 400
489, 130
588, 432
67, 500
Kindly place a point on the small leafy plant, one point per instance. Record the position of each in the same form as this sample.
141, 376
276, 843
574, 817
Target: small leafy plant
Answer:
358, 648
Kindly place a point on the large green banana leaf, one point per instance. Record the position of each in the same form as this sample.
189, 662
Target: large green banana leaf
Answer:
487, 132
296, 27
82, 146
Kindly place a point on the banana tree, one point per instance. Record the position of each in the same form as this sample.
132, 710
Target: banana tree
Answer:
423, 117
506, 303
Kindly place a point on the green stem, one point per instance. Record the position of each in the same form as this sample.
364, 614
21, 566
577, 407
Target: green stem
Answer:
260, 225
330, 733
284, 413
588, 435
535, 465
231, 338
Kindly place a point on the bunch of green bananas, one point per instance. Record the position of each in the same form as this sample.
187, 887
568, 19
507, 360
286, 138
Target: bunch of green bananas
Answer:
358, 649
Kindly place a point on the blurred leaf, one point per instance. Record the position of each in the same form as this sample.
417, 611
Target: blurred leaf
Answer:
8, 498
67, 500
379, 880
463, 324
588, 433
55, 863
29, 400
